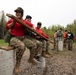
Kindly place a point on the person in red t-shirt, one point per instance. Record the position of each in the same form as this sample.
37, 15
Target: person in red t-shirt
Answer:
65, 38
46, 44
55, 39
18, 39
17, 36
29, 44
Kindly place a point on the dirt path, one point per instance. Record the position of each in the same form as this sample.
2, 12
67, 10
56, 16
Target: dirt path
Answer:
62, 63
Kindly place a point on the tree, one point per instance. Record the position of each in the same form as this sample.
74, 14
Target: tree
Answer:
2, 24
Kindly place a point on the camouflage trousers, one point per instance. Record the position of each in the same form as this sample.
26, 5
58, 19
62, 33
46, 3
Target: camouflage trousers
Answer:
46, 45
64, 42
55, 44
33, 44
69, 44
18, 45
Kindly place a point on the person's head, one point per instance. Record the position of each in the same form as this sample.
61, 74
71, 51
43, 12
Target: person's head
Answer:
65, 30
28, 18
19, 12
55, 30
60, 29
39, 24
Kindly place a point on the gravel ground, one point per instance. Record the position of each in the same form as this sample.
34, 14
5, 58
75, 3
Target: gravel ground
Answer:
62, 63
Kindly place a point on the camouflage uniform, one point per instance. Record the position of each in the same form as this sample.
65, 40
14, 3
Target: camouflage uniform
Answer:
55, 43
65, 42
45, 48
7, 37
70, 38
69, 42
33, 44
59, 36
17, 43
35, 49
46, 45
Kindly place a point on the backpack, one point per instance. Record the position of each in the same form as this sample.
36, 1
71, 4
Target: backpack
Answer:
70, 36
7, 37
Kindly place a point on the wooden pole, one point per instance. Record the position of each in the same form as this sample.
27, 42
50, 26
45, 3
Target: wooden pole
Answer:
13, 17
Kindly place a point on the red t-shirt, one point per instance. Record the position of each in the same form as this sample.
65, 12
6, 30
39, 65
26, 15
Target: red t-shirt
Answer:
28, 23
65, 34
17, 29
41, 32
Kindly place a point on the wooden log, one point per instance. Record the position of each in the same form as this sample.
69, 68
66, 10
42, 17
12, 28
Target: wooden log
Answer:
16, 19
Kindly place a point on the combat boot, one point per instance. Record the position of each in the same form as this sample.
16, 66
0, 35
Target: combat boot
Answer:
44, 54
33, 61
48, 53
31, 58
17, 70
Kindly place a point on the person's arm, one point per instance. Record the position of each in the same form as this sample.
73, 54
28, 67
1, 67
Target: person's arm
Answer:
10, 23
45, 35
28, 23
41, 32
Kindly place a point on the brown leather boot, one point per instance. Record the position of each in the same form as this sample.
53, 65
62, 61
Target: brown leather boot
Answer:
17, 70
51, 55
44, 54
48, 53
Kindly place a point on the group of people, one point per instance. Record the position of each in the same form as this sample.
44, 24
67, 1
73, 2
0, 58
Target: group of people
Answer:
19, 37
67, 37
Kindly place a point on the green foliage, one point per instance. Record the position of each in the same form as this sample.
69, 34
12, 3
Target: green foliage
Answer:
72, 27
51, 29
2, 43
2, 24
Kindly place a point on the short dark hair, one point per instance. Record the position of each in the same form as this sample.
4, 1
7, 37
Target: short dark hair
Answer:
60, 29
19, 9
28, 17
39, 23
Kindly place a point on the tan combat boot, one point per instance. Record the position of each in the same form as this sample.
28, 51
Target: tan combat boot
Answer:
48, 53
17, 70
44, 54
33, 61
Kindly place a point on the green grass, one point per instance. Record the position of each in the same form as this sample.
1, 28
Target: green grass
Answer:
2, 43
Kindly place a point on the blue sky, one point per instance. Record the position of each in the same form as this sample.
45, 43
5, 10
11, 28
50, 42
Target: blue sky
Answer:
48, 12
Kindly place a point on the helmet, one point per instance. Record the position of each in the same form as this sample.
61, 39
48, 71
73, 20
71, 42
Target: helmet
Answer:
19, 9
